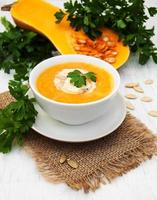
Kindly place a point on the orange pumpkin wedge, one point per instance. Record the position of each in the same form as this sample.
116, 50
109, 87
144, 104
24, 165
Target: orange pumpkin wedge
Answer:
38, 15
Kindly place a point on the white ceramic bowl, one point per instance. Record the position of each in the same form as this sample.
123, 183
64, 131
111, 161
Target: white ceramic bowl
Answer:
74, 114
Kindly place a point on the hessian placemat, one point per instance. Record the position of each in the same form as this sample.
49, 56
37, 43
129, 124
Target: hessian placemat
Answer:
87, 165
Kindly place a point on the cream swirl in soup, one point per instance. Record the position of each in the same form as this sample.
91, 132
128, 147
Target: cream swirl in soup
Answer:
62, 82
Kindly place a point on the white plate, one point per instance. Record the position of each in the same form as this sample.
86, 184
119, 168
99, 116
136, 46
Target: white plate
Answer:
83, 133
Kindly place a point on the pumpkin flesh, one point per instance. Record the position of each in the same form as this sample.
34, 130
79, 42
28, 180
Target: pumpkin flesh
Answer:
38, 15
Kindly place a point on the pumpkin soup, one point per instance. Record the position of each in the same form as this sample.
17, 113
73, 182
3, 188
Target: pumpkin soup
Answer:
75, 82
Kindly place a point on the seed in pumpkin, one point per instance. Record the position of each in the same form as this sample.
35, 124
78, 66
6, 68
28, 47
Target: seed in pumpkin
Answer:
80, 41
131, 85
99, 55
110, 59
130, 106
104, 49
110, 44
72, 163
91, 53
148, 81
131, 96
84, 49
77, 48
153, 113
91, 43
114, 53
108, 52
62, 158
138, 89
105, 38
146, 99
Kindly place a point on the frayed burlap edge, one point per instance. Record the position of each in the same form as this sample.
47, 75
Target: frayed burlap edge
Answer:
105, 173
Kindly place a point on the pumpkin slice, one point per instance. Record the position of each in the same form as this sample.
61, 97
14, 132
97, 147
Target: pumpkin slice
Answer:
38, 15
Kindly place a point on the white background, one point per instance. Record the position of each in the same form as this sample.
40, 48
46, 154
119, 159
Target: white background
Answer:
20, 180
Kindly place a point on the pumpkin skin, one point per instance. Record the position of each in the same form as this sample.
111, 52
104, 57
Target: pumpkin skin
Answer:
38, 15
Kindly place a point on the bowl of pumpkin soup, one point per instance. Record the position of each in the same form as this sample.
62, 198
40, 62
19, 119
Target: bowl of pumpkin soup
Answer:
75, 89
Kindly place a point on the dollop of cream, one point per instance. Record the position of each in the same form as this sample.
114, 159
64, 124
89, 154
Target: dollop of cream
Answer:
62, 82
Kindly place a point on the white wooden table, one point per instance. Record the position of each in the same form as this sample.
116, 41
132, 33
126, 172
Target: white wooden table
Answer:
20, 180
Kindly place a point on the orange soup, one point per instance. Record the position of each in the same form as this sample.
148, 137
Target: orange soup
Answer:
53, 84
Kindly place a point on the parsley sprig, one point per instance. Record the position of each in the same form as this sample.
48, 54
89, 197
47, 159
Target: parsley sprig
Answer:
20, 50
126, 17
79, 79
17, 118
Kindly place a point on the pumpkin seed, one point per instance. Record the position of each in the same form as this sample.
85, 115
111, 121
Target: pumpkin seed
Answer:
131, 96
114, 53
101, 47
84, 49
130, 106
153, 113
72, 163
81, 41
110, 59
98, 55
77, 48
105, 38
148, 81
62, 158
138, 89
108, 52
131, 85
110, 44
146, 99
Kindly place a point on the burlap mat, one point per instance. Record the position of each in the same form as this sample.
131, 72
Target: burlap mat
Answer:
99, 161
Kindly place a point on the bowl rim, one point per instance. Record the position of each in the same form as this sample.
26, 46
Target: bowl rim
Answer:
79, 56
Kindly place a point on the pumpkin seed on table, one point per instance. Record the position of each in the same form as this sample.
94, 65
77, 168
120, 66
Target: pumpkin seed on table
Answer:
131, 85
131, 96
130, 106
72, 163
146, 99
138, 89
148, 81
152, 113
62, 158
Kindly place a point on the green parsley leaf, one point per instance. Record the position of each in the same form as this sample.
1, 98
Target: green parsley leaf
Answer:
8, 26
59, 16
16, 118
155, 57
143, 58
21, 50
152, 11
127, 18
121, 24
78, 79
17, 90
91, 76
